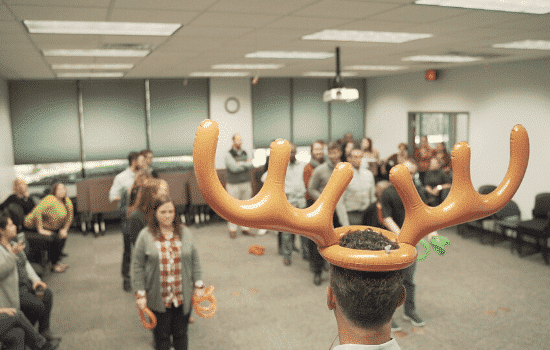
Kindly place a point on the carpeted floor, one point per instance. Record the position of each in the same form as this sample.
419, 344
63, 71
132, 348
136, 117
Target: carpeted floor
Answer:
474, 297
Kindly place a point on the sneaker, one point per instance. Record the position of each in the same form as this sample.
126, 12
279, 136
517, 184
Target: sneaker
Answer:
394, 326
262, 232
127, 286
414, 318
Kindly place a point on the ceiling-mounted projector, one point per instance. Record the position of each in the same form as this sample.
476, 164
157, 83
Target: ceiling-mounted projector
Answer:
337, 92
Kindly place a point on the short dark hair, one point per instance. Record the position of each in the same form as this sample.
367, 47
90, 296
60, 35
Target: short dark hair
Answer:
368, 299
132, 157
334, 145
4, 216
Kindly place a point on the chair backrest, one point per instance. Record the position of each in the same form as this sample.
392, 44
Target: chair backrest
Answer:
542, 206
83, 195
99, 195
510, 210
486, 189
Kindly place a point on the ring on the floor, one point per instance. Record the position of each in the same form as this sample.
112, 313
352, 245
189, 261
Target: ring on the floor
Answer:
151, 316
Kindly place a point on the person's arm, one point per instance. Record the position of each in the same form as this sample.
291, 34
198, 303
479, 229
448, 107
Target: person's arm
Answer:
197, 270
264, 177
114, 192
313, 185
138, 262
30, 271
342, 213
70, 213
387, 212
371, 195
8, 263
232, 165
37, 213
391, 225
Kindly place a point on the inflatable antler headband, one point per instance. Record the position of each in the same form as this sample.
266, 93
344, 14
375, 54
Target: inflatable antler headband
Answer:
270, 210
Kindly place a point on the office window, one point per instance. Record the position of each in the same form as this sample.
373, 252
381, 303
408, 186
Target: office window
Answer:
177, 109
310, 118
44, 122
349, 116
270, 111
114, 118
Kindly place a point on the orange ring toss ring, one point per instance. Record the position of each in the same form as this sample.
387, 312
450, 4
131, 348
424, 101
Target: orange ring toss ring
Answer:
151, 316
207, 295
270, 210
256, 249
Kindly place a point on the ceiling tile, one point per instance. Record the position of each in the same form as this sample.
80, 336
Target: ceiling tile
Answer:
418, 14
267, 7
69, 60
60, 13
529, 23
369, 25
12, 28
67, 3
344, 9
188, 45
183, 5
5, 14
232, 20
313, 24
133, 39
215, 33
65, 41
153, 16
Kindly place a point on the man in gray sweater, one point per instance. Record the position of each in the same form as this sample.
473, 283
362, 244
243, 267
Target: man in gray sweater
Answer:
238, 178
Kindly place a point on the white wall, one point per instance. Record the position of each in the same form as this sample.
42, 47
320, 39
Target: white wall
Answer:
7, 174
230, 124
497, 97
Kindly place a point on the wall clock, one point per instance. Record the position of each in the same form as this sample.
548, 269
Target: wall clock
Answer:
232, 105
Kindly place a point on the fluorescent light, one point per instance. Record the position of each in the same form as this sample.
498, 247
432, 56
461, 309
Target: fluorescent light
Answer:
93, 66
375, 67
97, 53
219, 74
329, 74
247, 66
365, 36
91, 75
443, 58
290, 54
101, 28
520, 6
526, 44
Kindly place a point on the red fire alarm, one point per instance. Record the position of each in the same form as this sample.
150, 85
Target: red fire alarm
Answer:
431, 74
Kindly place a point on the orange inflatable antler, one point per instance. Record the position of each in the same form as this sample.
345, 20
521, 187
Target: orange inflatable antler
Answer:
269, 209
463, 203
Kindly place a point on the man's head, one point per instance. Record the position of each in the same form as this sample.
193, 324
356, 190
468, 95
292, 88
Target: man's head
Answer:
412, 166
237, 141
136, 161
293, 153
317, 151
424, 141
148, 157
355, 156
441, 148
348, 136
334, 152
365, 299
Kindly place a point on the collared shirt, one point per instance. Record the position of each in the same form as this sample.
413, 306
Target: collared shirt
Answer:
390, 345
170, 270
122, 182
295, 188
360, 192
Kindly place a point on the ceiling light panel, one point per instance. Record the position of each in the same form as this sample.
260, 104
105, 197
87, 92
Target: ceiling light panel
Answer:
101, 28
248, 66
526, 45
518, 6
442, 58
375, 67
93, 66
97, 53
91, 75
219, 74
290, 55
365, 36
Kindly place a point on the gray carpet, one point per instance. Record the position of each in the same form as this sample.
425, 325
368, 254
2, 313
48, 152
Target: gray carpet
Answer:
474, 297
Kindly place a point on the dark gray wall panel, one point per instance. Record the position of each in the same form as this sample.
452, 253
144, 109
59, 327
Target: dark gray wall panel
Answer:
310, 119
270, 111
176, 112
44, 122
114, 118
349, 116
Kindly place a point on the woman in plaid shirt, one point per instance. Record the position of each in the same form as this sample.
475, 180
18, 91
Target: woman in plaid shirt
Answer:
165, 272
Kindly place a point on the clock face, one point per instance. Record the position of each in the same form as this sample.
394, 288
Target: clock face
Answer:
232, 105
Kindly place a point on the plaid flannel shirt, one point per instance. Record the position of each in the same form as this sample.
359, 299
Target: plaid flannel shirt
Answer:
170, 270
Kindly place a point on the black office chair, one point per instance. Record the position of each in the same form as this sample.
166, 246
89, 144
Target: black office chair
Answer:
506, 219
471, 228
537, 228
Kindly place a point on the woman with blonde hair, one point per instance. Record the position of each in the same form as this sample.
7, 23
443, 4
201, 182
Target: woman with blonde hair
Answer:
50, 220
144, 191
19, 203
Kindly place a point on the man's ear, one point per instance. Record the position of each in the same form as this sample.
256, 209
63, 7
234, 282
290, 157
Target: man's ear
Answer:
331, 301
403, 295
